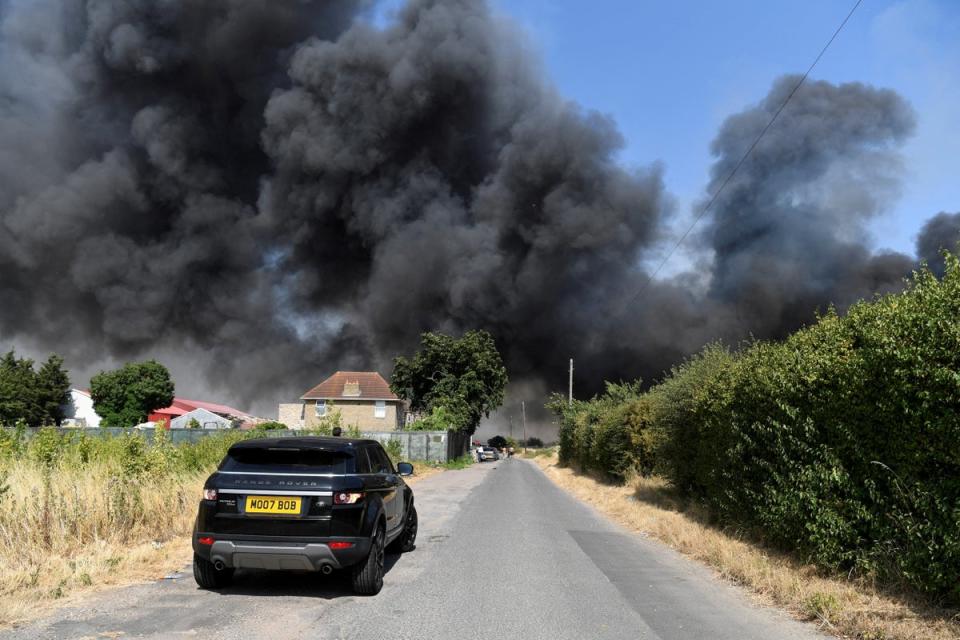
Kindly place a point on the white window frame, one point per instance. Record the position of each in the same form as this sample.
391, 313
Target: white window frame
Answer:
380, 409
321, 408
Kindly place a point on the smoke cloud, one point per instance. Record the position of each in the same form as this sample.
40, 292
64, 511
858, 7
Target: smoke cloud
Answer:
259, 193
941, 232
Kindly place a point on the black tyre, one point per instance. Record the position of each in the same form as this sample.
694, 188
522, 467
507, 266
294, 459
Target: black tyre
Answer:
408, 539
368, 575
207, 576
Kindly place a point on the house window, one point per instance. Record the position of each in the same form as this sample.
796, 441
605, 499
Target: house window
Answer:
380, 409
321, 408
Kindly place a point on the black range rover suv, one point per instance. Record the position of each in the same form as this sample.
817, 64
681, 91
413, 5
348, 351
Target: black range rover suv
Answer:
309, 503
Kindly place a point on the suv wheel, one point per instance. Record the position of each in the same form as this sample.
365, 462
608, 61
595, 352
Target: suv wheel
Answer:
408, 539
207, 575
368, 575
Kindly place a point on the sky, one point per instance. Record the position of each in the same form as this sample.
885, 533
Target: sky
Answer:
669, 73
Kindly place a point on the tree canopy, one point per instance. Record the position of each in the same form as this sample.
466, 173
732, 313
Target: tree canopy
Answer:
464, 376
126, 396
34, 397
497, 442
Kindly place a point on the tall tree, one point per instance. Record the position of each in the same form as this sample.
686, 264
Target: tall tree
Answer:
17, 386
465, 376
53, 386
32, 397
126, 396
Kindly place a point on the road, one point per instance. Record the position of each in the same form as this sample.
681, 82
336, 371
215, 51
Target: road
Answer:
502, 553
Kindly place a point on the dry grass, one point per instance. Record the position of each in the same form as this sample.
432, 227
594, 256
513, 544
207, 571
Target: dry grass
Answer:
845, 608
422, 470
63, 533
69, 532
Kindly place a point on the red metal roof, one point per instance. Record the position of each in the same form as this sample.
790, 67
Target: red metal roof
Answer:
182, 406
369, 384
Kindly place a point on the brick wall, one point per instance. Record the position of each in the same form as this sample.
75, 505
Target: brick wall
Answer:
358, 413
289, 414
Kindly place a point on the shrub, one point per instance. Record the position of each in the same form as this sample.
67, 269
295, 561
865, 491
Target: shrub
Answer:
841, 443
598, 435
395, 450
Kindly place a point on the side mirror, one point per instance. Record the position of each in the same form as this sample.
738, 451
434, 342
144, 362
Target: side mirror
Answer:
405, 469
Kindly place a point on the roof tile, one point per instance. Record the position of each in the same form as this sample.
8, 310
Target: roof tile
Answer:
371, 384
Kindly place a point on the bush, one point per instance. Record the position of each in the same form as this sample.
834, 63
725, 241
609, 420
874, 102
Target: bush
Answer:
841, 443
395, 450
535, 443
271, 425
598, 435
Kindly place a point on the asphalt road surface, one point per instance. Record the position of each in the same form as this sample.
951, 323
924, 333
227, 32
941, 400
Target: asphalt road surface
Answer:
502, 553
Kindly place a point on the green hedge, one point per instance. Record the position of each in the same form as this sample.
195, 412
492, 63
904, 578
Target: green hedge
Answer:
841, 443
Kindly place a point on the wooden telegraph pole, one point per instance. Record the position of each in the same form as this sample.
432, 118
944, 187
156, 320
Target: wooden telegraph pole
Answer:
570, 392
523, 412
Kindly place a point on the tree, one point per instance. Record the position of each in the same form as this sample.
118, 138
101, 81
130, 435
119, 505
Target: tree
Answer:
17, 387
465, 376
497, 442
126, 396
439, 419
34, 398
53, 387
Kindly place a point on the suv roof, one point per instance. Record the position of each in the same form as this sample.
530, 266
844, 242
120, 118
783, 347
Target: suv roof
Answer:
301, 442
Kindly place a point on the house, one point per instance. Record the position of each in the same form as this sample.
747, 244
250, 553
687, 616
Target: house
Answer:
206, 420
182, 406
363, 398
78, 411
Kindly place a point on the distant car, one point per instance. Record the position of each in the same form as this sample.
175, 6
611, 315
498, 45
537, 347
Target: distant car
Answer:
314, 504
487, 453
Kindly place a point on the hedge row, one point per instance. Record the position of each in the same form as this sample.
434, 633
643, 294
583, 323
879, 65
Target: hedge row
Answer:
841, 443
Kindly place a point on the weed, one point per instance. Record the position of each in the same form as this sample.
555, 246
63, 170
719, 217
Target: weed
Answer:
394, 450
458, 463
821, 606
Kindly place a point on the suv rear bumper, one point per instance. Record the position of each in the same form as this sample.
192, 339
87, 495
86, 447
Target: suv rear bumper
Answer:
312, 555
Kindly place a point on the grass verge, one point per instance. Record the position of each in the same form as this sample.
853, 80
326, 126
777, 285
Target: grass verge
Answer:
845, 608
67, 530
62, 534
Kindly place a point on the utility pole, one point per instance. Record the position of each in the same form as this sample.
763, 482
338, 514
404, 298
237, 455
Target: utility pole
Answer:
570, 393
523, 411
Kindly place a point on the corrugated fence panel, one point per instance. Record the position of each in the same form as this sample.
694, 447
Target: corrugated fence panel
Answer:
434, 446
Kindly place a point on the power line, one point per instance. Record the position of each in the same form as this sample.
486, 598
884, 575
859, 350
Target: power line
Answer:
746, 155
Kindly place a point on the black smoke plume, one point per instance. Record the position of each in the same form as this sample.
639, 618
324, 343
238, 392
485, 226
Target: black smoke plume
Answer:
939, 233
259, 193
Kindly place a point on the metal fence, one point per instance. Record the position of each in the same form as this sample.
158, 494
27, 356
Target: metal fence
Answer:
432, 446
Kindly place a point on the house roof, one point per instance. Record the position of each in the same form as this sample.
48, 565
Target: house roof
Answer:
182, 406
362, 385
201, 415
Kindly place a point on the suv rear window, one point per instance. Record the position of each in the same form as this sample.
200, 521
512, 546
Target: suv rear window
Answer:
281, 459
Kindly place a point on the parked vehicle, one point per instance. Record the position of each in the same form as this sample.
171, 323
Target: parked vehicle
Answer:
309, 503
487, 453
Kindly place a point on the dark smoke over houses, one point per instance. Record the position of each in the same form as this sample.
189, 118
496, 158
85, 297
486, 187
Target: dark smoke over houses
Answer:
258, 193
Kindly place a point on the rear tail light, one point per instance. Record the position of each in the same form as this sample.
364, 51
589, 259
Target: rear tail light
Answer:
340, 545
347, 497
209, 494
205, 540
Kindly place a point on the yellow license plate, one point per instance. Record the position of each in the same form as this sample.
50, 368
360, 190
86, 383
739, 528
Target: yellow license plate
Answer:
273, 504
